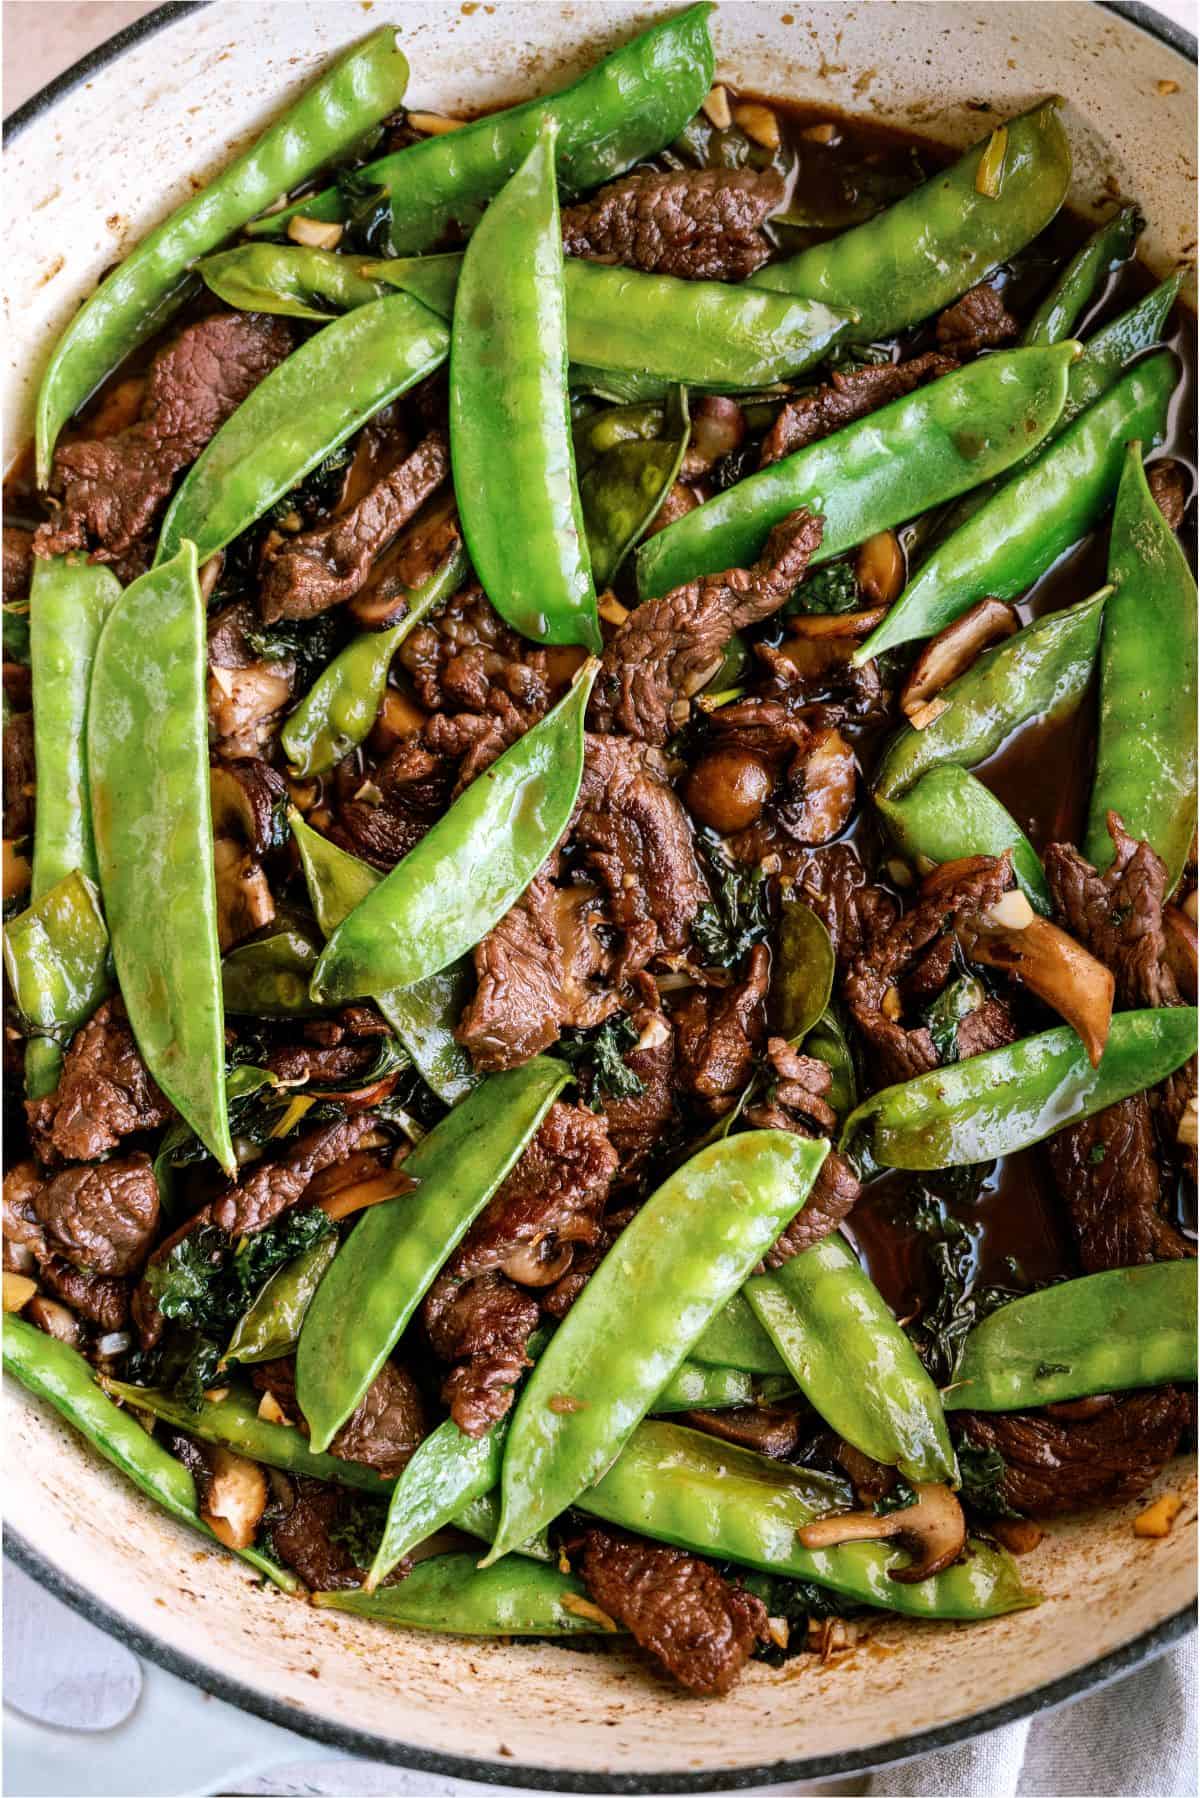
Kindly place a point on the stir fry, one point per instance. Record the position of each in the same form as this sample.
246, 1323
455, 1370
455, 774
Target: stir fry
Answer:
600, 886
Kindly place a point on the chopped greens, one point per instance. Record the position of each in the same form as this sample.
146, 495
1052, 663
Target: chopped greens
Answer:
603, 1052
738, 915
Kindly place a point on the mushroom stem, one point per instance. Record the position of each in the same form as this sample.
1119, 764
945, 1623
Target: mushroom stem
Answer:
934, 1532
1052, 965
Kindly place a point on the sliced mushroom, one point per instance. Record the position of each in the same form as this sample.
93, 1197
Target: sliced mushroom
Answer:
18, 1290
837, 624
718, 426
391, 1183
17, 870
236, 1497
1052, 965
1180, 933
399, 719
825, 773
934, 1532
952, 651
879, 567
243, 703
540, 1262
245, 796
244, 899
55, 1319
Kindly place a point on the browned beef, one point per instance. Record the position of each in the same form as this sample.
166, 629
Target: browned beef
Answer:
272, 1186
1054, 1465
702, 1628
110, 489
638, 1122
320, 568
406, 564
246, 693
1107, 1173
475, 1313
302, 1541
387, 1426
1117, 915
462, 658
797, 1101
720, 1033
667, 648
836, 1191
854, 912
979, 321
773, 1430
381, 815
104, 1092
20, 776
848, 396
18, 563
1168, 483
680, 500
538, 971
299, 1063
103, 1301
697, 224
104, 1218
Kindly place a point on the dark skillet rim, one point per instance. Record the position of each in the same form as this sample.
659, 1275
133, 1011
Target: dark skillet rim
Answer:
1090, 1678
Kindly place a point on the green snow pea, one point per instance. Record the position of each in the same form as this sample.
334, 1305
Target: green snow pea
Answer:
659, 328
467, 871
298, 415
293, 281
918, 452
269, 977
829, 1041
623, 483
234, 1423
1146, 754
802, 971
911, 260
271, 1326
453, 1594
423, 1015
1028, 522
509, 410
1134, 1326
735, 1338
448, 1471
948, 813
135, 301
15, 613
341, 706
628, 107
1042, 670
57, 1373
392, 1254
676, 1485
696, 1386
674, 1266
56, 959
852, 1360
147, 753
1007, 1099
481, 1517
1105, 250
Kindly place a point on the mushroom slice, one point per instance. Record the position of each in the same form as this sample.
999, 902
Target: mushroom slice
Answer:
18, 1290
1180, 933
55, 1319
952, 651
236, 1497
934, 1531
1052, 965
365, 1185
246, 794
540, 1262
244, 899
837, 624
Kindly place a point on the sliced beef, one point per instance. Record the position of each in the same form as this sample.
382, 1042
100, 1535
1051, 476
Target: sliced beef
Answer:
387, 1426
979, 321
104, 1093
459, 660
696, 224
20, 776
1053, 1465
304, 575
1107, 1173
667, 648
381, 815
476, 1313
797, 1101
855, 912
101, 1300
1117, 915
272, 1186
246, 692
1168, 482
18, 564
109, 489
103, 1219
300, 1063
638, 1122
848, 396
301, 1539
702, 1628
774, 1430
721, 1033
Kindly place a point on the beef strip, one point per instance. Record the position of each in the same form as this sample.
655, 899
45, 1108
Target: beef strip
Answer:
109, 489
848, 396
20, 776
381, 815
299, 1063
101, 1300
18, 564
462, 658
773, 1430
639, 1121
797, 1101
104, 1093
979, 321
721, 1033
272, 1187
246, 692
702, 1628
301, 1539
103, 1219
696, 224
833, 883
29, 1219
1168, 482
383, 1431
1053, 1465
1117, 915
667, 648
475, 1314
304, 575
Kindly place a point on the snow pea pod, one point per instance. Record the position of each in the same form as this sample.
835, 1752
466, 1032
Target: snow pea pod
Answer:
802, 971
451, 1593
623, 486
467, 871
672, 1268
829, 1041
509, 410
911, 260
269, 977
948, 814
340, 707
1146, 753
1105, 250
392, 1254
57, 1373
1042, 670
852, 1361
1029, 521
422, 1015
735, 1338
481, 1516
694, 1386
676, 1485
628, 107
290, 280
298, 415
1133, 1326
56, 959
135, 301
1007, 1099
147, 752
271, 1326
448, 1471
918, 452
